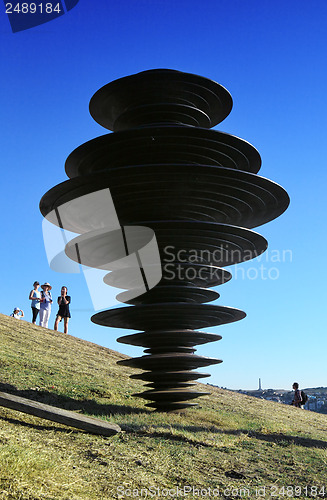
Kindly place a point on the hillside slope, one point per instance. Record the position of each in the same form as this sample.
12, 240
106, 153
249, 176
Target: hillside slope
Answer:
234, 443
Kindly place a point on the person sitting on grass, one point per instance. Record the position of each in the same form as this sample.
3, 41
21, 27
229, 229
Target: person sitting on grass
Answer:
17, 313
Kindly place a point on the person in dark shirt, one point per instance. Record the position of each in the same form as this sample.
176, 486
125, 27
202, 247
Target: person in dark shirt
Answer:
63, 313
297, 401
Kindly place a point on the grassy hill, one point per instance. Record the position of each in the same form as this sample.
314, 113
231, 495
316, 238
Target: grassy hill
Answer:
234, 443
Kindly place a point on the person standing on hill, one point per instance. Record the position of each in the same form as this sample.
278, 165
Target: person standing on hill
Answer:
297, 401
63, 313
35, 297
45, 305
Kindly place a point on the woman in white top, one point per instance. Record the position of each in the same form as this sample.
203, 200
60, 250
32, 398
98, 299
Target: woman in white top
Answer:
45, 304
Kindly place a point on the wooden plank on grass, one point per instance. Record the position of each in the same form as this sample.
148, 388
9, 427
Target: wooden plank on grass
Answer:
89, 424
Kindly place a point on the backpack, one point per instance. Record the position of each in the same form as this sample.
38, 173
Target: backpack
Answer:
304, 398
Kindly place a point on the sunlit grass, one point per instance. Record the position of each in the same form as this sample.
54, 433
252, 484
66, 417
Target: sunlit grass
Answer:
232, 440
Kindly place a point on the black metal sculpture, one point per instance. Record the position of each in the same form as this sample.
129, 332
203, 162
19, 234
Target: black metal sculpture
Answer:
197, 189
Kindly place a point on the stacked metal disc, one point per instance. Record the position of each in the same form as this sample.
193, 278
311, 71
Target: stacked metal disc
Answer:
197, 189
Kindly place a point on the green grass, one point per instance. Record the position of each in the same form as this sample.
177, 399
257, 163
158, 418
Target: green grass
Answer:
231, 442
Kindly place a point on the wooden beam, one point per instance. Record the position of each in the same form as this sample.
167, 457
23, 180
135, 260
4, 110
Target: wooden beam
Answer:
89, 424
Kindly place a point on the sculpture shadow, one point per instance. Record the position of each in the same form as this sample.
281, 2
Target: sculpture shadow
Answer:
89, 406
92, 407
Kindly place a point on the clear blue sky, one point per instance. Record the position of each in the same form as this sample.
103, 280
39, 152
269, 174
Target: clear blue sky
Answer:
271, 56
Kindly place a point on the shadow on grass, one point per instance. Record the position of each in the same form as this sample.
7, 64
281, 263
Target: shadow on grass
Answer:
45, 427
277, 438
91, 407
286, 440
87, 406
